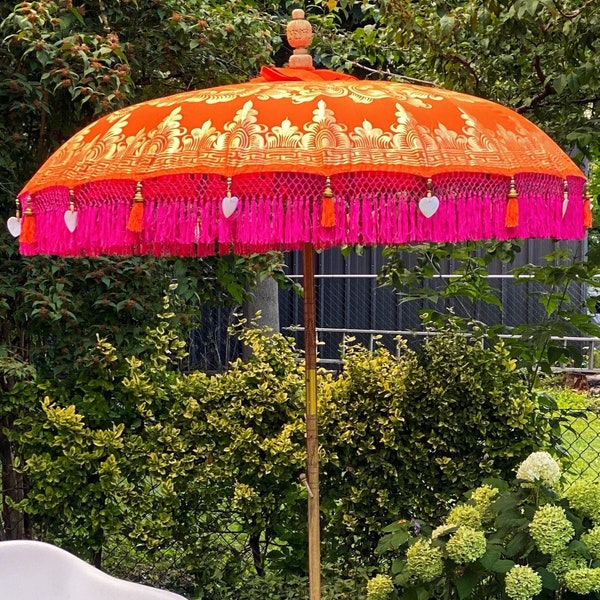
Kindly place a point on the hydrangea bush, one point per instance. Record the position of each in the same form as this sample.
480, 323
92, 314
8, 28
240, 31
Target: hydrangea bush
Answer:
535, 538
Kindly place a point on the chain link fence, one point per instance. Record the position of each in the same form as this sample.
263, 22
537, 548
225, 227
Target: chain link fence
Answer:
356, 307
351, 303
581, 441
213, 547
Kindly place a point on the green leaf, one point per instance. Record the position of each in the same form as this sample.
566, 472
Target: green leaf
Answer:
510, 518
507, 502
398, 566
399, 539
495, 482
491, 555
467, 582
518, 544
549, 580
502, 566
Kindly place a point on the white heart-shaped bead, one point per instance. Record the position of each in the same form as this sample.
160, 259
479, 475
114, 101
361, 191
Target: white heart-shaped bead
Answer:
429, 205
229, 205
14, 226
71, 220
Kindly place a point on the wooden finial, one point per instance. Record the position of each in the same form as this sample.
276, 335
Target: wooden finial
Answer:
299, 36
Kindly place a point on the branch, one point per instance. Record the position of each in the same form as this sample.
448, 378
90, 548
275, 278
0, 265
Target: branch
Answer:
548, 87
42, 151
102, 16
575, 13
465, 64
388, 73
592, 100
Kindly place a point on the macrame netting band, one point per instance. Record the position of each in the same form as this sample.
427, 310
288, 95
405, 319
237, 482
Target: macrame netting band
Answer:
183, 216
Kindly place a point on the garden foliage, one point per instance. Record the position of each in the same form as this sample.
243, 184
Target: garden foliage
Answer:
556, 288
140, 455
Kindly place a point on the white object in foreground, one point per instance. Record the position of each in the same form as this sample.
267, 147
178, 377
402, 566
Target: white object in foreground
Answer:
39, 571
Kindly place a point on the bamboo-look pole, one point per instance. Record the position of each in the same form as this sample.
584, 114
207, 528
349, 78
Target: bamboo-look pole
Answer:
312, 441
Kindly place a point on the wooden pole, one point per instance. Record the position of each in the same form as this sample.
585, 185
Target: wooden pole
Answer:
312, 435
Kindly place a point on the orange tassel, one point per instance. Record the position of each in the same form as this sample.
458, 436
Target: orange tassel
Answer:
136, 216
28, 229
587, 213
512, 208
328, 207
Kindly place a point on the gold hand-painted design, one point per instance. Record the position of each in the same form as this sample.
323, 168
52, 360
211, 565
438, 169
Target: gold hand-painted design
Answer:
303, 126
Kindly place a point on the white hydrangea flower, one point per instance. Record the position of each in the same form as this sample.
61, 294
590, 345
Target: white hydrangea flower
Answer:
539, 466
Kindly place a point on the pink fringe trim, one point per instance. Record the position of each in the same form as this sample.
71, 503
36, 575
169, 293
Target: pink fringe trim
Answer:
183, 214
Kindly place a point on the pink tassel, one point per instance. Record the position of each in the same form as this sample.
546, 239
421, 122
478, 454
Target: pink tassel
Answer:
295, 220
304, 225
228, 227
278, 226
264, 223
298, 220
44, 225
468, 215
256, 221
403, 224
367, 220
170, 225
390, 229
485, 216
397, 206
205, 250
378, 215
201, 225
354, 232
388, 215
206, 221
445, 226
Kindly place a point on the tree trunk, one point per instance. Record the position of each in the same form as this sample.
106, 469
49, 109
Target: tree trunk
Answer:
98, 558
15, 525
265, 298
257, 557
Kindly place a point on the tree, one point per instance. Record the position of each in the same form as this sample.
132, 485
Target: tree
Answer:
62, 65
539, 57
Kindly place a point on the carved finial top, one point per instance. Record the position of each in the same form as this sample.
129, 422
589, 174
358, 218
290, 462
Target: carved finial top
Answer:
299, 36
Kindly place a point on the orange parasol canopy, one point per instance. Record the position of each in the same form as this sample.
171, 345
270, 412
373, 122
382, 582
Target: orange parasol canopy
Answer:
303, 155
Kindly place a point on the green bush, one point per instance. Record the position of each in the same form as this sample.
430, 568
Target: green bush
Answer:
405, 435
334, 586
183, 466
141, 456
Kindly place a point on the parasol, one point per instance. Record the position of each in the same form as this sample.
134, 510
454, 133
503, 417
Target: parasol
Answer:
300, 158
